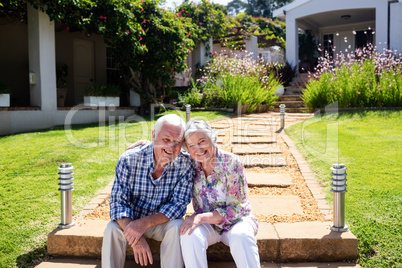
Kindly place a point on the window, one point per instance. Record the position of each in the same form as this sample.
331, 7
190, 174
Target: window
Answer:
329, 44
112, 70
363, 38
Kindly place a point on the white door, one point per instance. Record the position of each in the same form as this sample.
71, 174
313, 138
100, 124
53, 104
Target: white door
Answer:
83, 67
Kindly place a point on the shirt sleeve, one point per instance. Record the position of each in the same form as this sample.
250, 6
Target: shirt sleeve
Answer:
181, 196
237, 204
120, 196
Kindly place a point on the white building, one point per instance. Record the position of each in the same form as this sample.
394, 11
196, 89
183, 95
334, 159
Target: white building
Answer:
345, 24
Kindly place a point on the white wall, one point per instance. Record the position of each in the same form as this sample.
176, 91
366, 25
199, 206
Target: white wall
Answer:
396, 27
21, 121
321, 6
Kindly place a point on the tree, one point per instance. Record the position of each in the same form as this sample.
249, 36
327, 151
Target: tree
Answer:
256, 8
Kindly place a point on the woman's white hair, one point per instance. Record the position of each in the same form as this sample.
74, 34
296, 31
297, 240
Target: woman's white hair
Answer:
170, 119
197, 125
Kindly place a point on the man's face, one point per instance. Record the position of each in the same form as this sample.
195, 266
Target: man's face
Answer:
167, 144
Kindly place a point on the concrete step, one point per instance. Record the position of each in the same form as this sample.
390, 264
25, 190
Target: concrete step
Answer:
290, 104
290, 98
249, 149
283, 242
263, 160
254, 140
96, 263
291, 110
268, 180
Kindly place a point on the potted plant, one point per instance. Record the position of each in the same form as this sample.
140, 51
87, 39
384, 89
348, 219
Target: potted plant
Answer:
4, 95
97, 95
62, 78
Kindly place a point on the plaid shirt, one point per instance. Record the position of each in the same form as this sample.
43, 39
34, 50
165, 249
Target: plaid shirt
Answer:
135, 193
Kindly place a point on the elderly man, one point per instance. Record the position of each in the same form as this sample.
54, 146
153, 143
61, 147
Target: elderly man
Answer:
149, 197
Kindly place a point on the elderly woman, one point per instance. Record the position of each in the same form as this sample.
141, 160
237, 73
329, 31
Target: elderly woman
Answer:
222, 210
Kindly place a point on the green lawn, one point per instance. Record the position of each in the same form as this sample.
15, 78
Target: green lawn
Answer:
29, 196
370, 145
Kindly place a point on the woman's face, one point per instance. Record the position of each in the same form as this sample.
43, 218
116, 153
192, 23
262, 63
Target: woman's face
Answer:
200, 146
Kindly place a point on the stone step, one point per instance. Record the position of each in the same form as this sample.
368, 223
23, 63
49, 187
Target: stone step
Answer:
255, 149
290, 104
284, 242
255, 132
268, 180
263, 161
291, 110
248, 139
290, 98
269, 205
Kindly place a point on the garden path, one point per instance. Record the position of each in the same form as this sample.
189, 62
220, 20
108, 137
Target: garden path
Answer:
294, 215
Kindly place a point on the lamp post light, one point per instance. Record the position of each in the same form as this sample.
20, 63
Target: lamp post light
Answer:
188, 111
339, 189
282, 108
66, 187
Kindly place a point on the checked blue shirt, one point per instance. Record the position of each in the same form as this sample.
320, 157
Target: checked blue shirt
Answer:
135, 193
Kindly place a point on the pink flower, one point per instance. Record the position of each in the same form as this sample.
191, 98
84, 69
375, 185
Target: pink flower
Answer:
200, 23
172, 70
68, 28
142, 9
358, 92
143, 21
188, 34
101, 17
140, 38
128, 31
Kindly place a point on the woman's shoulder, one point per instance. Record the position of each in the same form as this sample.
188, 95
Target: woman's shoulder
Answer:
228, 158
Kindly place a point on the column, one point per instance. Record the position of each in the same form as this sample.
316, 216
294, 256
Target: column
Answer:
41, 47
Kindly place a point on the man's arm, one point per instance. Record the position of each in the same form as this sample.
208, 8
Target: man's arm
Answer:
133, 230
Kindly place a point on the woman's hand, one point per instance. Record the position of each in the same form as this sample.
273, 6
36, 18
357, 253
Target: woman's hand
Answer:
190, 223
138, 143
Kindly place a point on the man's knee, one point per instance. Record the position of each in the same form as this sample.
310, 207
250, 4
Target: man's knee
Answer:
112, 230
174, 226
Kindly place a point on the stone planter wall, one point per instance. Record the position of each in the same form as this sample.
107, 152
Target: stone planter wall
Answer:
101, 101
4, 100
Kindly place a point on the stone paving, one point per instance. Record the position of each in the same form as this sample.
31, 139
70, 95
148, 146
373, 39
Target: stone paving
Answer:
294, 215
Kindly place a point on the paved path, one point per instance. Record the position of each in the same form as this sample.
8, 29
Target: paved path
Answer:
294, 215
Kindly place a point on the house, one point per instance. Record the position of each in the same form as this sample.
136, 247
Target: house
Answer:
343, 24
29, 53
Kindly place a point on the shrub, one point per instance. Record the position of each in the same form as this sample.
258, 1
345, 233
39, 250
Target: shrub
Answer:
4, 89
192, 96
283, 72
229, 81
105, 91
365, 78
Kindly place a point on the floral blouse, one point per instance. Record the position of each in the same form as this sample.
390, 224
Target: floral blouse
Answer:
224, 191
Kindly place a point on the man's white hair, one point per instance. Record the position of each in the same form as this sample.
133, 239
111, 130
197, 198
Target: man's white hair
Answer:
170, 119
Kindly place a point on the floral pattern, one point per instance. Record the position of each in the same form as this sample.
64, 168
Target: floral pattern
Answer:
224, 191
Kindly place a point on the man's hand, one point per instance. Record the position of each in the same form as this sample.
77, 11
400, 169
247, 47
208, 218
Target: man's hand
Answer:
134, 231
142, 252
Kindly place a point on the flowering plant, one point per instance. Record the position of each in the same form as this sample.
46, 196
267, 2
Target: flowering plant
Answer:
364, 78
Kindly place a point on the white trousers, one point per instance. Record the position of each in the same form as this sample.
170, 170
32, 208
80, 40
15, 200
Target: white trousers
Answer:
240, 239
115, 244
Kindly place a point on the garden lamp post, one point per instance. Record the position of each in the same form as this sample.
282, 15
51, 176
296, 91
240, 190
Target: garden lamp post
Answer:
339, 189
66, 187
282, 108
188, 111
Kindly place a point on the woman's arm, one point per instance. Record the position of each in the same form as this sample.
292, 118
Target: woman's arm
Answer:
138, 143
198, 219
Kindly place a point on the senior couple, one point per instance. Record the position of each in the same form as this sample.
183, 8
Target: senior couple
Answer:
155, 182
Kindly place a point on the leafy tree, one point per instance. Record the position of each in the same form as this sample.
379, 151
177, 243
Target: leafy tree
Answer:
256, 8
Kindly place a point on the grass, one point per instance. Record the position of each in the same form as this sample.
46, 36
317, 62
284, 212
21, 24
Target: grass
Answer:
370, 145
29, 196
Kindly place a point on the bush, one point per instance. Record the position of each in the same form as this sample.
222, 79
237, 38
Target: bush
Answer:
104, 91
4, 89
363, 79
283, 72
229, 81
